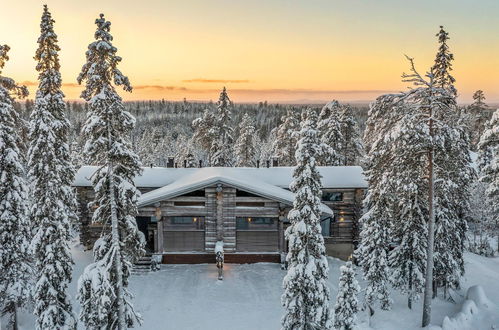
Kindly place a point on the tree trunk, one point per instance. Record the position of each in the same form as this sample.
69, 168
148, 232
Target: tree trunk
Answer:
431, 233
409, 297
116, 238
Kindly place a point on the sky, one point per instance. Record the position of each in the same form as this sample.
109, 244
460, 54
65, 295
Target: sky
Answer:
286, 51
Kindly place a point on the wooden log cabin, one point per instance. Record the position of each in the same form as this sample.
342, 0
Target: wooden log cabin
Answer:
183, 212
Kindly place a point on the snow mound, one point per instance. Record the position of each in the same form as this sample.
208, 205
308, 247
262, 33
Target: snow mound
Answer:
474, 312
476, 294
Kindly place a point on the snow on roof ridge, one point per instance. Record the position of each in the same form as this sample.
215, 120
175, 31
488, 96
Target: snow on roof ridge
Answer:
155, 177
195, 181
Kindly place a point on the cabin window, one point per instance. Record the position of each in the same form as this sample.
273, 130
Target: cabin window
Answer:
256, 223
184, 223
242, 193
332, 196
257, 234
196, 193
183, 233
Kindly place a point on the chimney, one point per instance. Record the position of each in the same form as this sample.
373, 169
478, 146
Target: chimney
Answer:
258, 163
151, 165
200, 163
171, 162
176, 165
268, 163
275, 162
185, 163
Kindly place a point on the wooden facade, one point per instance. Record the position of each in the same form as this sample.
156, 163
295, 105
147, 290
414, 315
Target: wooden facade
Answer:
185, 229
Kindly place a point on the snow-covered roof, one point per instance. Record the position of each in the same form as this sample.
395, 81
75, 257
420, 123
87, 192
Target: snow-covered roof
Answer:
155, 177
210, 176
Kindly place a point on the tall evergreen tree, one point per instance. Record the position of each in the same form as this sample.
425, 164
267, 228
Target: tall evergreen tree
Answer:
478, 113
331, 134
284, 146
408, 258
306, 294
489, 167
15, 229
204, 134
245, 148
352, 148
347, 305
103, 285
222, 145
443, 63
372, 253
53, 209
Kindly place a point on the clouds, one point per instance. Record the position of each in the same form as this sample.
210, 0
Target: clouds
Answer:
222, 81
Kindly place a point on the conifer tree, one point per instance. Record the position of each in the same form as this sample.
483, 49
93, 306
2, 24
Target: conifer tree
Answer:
478, 112
443, 63
222, 145
15, 229
408, 258
245, 148
347, 305
284, 146
306, 294
352, 148
204, 134
102, 288
372, 253
331, 134
53, 209
489, 167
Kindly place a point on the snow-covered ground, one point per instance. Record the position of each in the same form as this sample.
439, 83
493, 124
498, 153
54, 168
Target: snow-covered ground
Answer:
190, 297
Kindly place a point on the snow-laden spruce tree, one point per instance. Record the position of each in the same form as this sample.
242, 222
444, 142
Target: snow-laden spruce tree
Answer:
204, 134
222, 145
409, 225
347, 305
284, 146
53, 208
306, 294
375, 235
352, 148
477, 112
102, 288
245, 148
443, 63
331, 133
15, 227
489, 167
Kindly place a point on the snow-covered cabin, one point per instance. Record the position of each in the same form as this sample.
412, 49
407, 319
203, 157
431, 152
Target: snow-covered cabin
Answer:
183, 212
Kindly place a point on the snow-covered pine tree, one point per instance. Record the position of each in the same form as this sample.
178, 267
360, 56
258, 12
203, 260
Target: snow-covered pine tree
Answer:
15, 228
222, 145
306, 294
352, 148
102, 288
331, 133
443, 63
204, 133
284, 146
347, 305
478, 113
489, 166
245, 148
409, 225
53, 208
372, 253
435, 103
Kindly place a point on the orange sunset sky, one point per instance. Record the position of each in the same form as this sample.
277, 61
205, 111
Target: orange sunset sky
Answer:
275, 50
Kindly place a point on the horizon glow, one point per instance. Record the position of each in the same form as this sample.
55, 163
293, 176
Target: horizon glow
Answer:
275, 50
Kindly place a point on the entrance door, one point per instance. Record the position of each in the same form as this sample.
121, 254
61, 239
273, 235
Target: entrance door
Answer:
143, 226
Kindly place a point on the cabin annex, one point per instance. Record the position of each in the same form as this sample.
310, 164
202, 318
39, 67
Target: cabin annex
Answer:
184, 212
